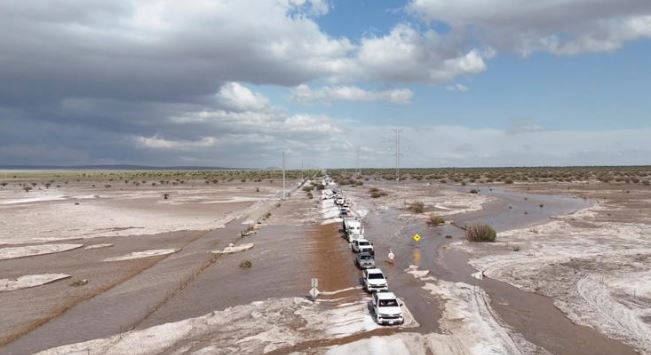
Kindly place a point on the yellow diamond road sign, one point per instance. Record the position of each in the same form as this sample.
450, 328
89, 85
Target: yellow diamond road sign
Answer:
416, 237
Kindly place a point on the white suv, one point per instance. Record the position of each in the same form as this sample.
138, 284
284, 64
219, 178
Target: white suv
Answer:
374, 280
362, 245
387, 309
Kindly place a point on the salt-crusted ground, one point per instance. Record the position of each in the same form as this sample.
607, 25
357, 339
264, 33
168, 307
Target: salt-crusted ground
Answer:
27, 281
98, 246
234, 248
82, 211
596, 272
33, 250
254, 328
442, 201
142, 254
468, 326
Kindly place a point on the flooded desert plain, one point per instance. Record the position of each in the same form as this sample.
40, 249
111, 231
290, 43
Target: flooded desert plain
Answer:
219, 262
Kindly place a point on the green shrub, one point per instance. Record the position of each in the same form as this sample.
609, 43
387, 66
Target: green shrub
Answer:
246, 264
480, 233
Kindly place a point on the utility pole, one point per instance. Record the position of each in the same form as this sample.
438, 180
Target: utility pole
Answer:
283, 175
302, 173
357, 160
397, 154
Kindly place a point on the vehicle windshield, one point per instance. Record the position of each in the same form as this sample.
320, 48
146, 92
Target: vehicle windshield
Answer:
375, 276
364, 243
388, 303
365, 257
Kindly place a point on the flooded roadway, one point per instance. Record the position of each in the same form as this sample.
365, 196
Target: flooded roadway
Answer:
532, 315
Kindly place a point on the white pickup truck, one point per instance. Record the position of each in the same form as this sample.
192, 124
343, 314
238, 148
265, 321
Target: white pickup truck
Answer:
374, 280
386, 307
362, 246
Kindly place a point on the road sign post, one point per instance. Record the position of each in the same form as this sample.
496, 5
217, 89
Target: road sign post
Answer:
314, 291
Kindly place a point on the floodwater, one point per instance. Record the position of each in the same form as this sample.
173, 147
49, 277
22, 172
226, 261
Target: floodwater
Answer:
532, 315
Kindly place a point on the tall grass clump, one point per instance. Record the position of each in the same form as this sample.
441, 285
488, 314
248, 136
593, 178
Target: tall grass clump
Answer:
480, 233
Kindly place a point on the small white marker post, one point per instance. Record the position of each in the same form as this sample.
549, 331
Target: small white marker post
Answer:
314, 292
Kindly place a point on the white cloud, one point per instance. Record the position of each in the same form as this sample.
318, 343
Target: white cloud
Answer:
407, 55
157, 142
242, 123
304, 94
457, 87
240, 98
559, 26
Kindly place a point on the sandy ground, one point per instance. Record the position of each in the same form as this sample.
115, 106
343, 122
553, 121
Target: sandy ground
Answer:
27, 281
234, 248
81, 211
142, 254
180, 224
185, 254
437, 199
265, 324
34, 250
259, 327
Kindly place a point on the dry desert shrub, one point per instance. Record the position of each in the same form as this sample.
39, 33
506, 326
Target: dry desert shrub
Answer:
435, 220
377, 193
416, 207
480, 233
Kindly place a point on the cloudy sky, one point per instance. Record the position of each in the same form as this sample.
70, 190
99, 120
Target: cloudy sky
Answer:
236, 82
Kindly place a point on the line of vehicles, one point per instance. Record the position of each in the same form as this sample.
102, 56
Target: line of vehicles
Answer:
385, 305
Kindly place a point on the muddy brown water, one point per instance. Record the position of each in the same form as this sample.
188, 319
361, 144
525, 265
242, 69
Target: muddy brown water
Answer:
284, 259
532, 315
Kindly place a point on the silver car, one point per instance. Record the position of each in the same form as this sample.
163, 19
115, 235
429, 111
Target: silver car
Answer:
365, 261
